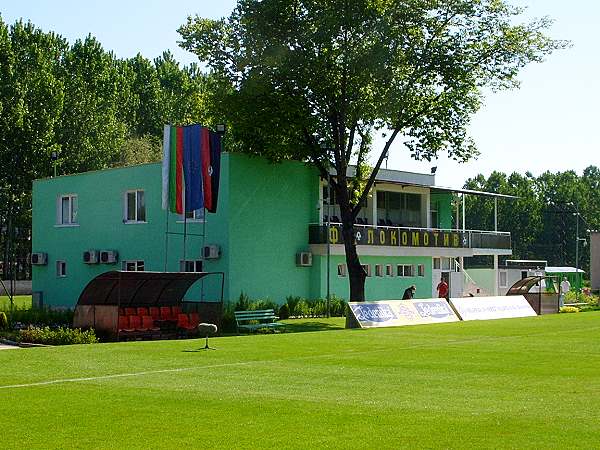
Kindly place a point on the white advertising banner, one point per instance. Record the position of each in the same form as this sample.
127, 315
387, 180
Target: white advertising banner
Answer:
486, 308
394, 313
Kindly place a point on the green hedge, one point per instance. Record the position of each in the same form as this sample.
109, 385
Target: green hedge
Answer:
57, 336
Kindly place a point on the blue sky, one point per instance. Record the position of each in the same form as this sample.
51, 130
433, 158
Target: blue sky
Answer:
550, 123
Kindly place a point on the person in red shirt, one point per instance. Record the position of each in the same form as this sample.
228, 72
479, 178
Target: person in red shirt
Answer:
442, 289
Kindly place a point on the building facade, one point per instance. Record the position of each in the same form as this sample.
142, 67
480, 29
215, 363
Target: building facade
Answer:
268, 237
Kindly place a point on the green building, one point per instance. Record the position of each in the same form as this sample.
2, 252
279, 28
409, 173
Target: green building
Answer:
269, 235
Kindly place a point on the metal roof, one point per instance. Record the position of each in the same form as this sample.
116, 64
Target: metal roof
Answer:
139, 288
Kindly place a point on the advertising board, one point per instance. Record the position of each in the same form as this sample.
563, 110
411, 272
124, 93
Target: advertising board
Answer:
394, 313
486, 308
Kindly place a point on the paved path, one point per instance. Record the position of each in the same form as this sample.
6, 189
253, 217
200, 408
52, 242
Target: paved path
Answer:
7, 347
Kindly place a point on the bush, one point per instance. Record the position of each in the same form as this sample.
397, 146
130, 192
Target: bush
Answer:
58, 336
569, 309
292, 302
243, 302
263, 304
41, 317
3, 321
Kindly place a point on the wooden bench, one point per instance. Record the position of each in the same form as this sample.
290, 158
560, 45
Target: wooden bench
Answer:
254, 320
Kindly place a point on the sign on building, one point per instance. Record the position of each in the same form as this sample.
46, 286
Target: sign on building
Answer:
395, 313
486, 308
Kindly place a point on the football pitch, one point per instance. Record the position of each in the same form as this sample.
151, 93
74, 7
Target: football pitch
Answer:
515, 383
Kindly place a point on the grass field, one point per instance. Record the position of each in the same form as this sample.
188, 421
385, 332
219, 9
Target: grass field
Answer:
21, 301
517, 383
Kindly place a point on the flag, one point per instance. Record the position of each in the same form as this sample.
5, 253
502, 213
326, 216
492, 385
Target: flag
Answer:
190, 168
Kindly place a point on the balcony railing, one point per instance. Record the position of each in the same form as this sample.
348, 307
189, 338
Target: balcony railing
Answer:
411, 237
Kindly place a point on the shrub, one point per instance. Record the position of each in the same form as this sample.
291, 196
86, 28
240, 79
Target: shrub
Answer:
284, 312
243, 302
569, 309
58, 336
43, 317
292, 302
301, 309
3, 321
263, 304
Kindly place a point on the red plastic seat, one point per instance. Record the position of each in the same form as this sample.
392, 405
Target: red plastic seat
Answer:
121, 311
183, 322
142, 311
124, 324
194, 319
176, 310
135, 322
165, 313
130, 311
148, 323
155, 312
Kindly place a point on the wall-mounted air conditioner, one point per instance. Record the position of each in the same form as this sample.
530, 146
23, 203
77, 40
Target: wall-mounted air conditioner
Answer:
211, 252
91, 257
39, 259
109, 256
304, 259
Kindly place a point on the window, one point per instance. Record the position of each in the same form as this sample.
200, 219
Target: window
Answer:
399, 208
367, 269
341, 269
193, 216
434, 214
66, 210
389, 270
502, 279
436, 264
446, 263
406, 270
421, 270
378, 270
61, 269
190, 266
133, 266
135, 206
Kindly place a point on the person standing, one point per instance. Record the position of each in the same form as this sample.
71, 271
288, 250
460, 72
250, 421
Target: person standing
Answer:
442, 289
565, 287
409, 293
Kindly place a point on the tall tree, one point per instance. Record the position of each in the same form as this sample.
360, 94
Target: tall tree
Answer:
313, 80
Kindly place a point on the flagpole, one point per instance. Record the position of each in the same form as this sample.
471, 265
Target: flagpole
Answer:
184, 230
166, 237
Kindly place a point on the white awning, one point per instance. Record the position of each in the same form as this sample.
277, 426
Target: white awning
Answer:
563, 270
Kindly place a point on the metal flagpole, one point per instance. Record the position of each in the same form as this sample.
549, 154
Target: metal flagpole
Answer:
166, 237
184, 229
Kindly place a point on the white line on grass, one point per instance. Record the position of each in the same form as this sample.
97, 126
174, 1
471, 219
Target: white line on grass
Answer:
448, 342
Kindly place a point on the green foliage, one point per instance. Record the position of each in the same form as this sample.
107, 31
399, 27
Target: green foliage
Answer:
3, 321
542, 219
43, 317
57, 336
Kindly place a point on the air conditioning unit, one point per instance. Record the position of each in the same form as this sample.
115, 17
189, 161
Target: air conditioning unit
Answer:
109, 256
211, 252
304, 259
91, 257
39, 259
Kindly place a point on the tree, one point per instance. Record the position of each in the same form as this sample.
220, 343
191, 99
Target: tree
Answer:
313, 80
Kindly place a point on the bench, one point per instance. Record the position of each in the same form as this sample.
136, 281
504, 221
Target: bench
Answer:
254, 320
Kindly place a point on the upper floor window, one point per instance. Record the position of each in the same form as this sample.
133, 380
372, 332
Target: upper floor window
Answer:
61, 269
66, 209
135, 206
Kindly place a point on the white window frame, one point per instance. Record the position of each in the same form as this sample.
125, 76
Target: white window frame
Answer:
195, 263
437, 264
500, 281
367, 269
389, 270
72, 215
126, 204
379, 270
342, 270
140, 265
421, 270
61, 269
404, 269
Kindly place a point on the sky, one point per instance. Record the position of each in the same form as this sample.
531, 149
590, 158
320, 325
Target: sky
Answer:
549, 123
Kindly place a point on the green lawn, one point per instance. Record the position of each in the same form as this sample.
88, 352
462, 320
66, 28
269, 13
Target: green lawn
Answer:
21, 301
518, 383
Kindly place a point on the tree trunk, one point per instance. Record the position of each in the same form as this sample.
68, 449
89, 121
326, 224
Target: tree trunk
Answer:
356, 273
